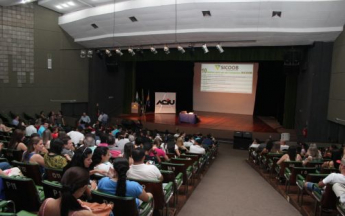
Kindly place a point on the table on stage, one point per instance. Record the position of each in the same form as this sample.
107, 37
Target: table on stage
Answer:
187, 117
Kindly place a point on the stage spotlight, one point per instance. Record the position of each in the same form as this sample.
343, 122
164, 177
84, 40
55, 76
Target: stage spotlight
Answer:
118, 51
89, 53
99, 54
153, 50
219, 48
204, 47
82, 53
166, 50
179, 48
108, 52
131, 51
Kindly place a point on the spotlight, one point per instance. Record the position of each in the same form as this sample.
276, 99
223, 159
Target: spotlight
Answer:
219, 48
166, 50
179, 48
153, 50
130, 51
108, 52
82, 53
89, 53
99, 54
118, 51
204, 47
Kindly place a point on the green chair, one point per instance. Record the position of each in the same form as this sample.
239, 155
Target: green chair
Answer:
187, 172
341, 209
11, 154
291, 175
311, 177
280, 169
30, 170
124, 205
51, 189
189, 163
8, 208
325, 200
53, 174
23, 192
161, 195
177, 180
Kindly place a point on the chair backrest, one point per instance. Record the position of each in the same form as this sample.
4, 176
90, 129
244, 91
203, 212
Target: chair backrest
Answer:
329, 200
22, 191
185, 161
329, 170
12, 154
316, 164
315, 178
289, 164
300, 171
122, 205
170, 155
53, 174
156, 188
51, 189
176, 168
30, 170
194, 158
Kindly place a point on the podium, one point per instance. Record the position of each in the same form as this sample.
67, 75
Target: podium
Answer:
185, 117
135, 108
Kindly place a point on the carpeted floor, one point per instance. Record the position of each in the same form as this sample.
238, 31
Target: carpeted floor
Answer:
232, 188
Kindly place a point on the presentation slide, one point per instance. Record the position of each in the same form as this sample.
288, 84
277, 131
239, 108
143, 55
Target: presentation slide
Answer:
225, 87
230, 78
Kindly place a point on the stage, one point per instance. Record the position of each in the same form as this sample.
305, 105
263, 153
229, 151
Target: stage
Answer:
220, 125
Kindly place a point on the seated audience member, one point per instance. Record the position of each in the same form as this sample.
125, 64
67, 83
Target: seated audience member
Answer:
197, 147
100, 160
290, 156
255, 144
31, 128
43, 127
151, 155
207, 142
55, 133
60, 121
181, 147
334, 155
84, 119
127, 153
139, 143
312, 154
118, 185
32, 154
131, 138
68, 148
3, 127
160, 152
268, 148
283, 145
16, 141
170, 147
188, 141
54, 159
304, 149
337, 179
122, 140
275, 148
112, 146
15, 121
74, 183
46, 137
103, 138
77, 136
89, 142
140, 170
42, 116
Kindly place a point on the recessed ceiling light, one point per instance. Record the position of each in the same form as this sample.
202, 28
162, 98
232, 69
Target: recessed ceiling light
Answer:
58, 7
71, 3
133, 19
276, 14
64, 5
94, 25
206, 13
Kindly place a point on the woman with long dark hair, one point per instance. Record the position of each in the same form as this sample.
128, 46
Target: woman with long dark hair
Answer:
100, 160
16, 141
127, 152
119, 185
290, 156
74, 183
33, 153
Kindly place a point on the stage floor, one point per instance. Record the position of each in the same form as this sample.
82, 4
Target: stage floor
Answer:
223, 124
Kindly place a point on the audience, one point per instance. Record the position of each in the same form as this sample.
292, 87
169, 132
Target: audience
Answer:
100, 160
77, 136
68, 148
54, 159
31, 128
16, 141
312, 154
197, 147
127, 153
290, 156
32, 154
43, 127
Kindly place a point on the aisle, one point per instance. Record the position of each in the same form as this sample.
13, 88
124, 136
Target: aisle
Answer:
232, 188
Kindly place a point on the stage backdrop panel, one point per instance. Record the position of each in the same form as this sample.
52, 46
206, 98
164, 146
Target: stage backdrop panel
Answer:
225, 87
165, 102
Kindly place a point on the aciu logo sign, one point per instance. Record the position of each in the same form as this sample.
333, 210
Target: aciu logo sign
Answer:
166, 102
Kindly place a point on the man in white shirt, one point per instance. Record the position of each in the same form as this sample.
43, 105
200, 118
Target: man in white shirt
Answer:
120, 144
188, 141
197, 148
84, 119
30, 129
140, 170
76, 136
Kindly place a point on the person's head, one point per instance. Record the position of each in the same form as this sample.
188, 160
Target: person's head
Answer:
292, 152
313, 151
17, 137
61, 134
269, 145
74, 183
46, 124
197, 141
100, 155
138, 155
89, 141
35, 145
82, 158
80, 128
121, 166
46, 135
256, 141
56, 146
32, 121
84, 113
138, 141
147, 147
131, 138
157, 142
110, 140
127, 150
67, 142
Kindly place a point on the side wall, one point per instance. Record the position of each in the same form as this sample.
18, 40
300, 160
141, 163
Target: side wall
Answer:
30, 36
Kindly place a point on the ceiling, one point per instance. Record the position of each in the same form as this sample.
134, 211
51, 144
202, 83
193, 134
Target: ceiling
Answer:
232, 22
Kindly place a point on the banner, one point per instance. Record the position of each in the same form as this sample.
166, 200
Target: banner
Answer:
165, 102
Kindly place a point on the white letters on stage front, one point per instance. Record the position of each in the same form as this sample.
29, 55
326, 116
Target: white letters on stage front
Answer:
165, 102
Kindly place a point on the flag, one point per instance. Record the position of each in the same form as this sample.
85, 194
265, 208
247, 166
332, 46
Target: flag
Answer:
137, 97
148, 99
142, 97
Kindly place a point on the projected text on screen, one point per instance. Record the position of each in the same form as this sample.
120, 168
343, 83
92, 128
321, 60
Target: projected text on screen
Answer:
230, 78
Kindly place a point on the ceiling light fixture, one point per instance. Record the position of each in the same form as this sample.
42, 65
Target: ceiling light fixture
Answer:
108, 52
166, 49
153, 50
131, 51
219, 48
58, 7
204, 47
82, 53
65, 5
133, 19
89, 53
118, 51
180, 49
71, 3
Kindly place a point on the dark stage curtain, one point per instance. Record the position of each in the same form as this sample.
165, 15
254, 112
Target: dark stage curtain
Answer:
167, 76
129, 87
